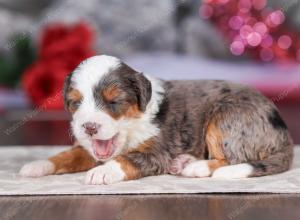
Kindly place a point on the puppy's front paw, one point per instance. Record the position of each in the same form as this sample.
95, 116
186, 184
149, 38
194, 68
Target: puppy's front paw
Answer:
37, 168
110, 172
198, 168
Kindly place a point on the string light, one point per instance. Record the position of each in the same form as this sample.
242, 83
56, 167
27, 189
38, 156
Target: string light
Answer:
253, 27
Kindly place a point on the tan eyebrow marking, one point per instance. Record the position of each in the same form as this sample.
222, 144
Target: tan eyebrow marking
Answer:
73, 95
110, 93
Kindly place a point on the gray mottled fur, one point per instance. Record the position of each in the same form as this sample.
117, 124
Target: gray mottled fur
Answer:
255, 133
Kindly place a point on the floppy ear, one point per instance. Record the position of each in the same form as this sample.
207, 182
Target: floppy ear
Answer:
144, 90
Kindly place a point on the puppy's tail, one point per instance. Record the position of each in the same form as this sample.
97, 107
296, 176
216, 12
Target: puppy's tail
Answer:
276, 163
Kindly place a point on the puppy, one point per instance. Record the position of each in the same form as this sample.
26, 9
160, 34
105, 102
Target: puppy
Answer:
129, 125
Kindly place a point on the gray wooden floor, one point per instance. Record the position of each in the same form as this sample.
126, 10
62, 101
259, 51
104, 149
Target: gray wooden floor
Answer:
131, 207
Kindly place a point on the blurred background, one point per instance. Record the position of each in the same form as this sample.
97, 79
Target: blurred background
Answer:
256, 42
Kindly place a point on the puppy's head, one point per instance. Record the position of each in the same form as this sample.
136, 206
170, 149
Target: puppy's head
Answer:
104, 96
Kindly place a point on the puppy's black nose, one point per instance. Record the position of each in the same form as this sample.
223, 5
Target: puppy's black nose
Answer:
91, 128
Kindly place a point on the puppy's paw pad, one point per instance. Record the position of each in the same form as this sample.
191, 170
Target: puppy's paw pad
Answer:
180, 162
110, 172
197, 169
37, 168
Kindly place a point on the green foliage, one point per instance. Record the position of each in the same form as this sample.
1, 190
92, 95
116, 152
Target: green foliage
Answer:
12, 64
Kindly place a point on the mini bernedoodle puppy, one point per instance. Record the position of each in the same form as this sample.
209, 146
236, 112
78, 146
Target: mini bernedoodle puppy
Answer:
129, 125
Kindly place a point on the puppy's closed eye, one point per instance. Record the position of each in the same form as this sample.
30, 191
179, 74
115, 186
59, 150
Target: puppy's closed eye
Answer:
74, 104
73, 98
113, 102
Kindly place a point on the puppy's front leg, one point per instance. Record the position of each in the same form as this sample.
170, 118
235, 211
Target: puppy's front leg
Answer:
74, 160
141, 162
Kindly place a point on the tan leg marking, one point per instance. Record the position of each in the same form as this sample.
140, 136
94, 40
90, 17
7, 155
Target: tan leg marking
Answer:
76, 159
214, 140
130, 170
133, 172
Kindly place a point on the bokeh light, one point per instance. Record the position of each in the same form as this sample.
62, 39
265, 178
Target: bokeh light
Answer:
254, 27
236, 22
254, 39
259, 4
260, 28
284, 42
276, 18
245, 31
245, 5
237, 48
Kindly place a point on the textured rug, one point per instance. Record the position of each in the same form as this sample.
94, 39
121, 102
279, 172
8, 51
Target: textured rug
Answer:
12, 158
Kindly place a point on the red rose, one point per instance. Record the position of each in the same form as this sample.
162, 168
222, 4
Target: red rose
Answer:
43, 83
73, 44
62, 48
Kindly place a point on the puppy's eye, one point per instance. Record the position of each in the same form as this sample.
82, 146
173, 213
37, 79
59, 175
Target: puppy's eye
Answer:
113, 102
74, 104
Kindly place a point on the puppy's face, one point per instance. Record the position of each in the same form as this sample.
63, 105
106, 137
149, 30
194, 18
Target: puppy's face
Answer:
105, 96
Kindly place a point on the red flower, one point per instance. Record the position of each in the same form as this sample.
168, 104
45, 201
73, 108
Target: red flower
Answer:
73, 44
61, 49
43, 83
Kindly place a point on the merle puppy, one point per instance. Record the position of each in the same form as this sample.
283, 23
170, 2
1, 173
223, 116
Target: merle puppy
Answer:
129, 125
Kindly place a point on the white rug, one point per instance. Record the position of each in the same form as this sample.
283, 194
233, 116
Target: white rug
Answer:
12, 158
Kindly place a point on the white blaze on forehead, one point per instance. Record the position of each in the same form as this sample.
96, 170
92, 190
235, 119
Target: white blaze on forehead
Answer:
90, 71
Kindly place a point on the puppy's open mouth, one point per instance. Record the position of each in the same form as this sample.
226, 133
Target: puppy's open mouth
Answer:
104, 148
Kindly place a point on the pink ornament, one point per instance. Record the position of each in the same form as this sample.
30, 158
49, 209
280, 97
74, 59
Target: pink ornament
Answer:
276, 18
254, 39
260, 28
284, 42
240, 39
237, 48
245, 5
206, 11
259, 4
266, 54
245, 31
236, 22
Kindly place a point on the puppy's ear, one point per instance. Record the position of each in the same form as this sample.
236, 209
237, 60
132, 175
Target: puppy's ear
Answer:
144, 90
66, 89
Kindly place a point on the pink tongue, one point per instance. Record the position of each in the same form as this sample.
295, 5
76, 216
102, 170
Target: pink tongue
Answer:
102, 147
